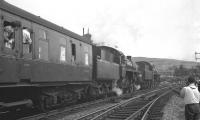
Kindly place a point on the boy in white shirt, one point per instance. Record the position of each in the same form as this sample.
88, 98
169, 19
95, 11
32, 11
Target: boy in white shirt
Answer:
191, 97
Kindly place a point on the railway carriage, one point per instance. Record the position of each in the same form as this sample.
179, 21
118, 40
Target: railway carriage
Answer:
47, 63
44, 65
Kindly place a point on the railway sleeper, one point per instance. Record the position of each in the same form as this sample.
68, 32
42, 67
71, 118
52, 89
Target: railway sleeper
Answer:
149, 97
115, 117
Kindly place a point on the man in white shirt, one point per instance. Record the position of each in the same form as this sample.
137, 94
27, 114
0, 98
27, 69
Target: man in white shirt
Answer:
191, 97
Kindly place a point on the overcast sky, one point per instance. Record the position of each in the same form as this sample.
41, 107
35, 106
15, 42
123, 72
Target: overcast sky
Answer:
148, 28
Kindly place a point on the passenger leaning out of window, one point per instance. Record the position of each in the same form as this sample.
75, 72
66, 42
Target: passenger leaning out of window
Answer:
9, 37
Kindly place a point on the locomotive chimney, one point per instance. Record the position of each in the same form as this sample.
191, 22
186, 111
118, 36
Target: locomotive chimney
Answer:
83, 32
129, 57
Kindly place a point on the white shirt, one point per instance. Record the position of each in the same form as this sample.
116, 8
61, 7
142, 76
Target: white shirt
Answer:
190, 94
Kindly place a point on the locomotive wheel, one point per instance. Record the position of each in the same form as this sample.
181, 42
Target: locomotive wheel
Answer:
47, 102
131, 89
42, 104
92, 92
109, 90
103, 89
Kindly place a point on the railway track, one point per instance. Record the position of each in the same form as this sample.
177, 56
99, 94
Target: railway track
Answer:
81, 107
133, 108
154, 111
67, 110
107, 110
76, 108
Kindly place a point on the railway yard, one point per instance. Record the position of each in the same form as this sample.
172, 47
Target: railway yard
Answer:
48, 72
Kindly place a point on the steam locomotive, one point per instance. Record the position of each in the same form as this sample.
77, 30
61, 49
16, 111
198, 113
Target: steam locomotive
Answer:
43, 65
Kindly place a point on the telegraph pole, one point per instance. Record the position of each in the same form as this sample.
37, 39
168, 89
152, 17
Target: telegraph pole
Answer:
196, 56
197, 67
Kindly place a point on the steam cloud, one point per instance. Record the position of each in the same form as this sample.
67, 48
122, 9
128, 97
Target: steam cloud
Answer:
158, 28
118, 91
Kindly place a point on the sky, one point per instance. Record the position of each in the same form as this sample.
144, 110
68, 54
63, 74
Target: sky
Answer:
145, 28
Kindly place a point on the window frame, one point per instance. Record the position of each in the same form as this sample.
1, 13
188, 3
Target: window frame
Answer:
5, 16
46, 41
60, 51
73, 56
86, 53
14, 36
31, 50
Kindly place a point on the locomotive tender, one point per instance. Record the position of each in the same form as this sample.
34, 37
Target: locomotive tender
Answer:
149, 74
44, 65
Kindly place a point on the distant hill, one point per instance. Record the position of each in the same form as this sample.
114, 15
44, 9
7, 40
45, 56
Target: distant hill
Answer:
163, 64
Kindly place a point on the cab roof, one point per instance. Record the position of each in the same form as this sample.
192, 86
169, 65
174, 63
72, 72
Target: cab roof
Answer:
113, 50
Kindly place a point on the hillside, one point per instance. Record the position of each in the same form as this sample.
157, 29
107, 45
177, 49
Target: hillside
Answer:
164, 64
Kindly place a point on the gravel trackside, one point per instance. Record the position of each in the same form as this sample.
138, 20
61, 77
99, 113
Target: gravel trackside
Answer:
174, 109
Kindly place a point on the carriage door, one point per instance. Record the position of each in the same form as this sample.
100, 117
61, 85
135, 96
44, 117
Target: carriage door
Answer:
9, 47
11, 36
26, 53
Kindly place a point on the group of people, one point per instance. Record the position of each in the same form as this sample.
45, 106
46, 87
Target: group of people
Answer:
191, 96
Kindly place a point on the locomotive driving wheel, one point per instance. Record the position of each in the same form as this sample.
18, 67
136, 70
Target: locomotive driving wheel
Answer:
53, 98
42, 103
92, 92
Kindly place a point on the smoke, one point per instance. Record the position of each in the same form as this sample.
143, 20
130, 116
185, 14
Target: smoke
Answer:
167, 29
137, 87
118, 91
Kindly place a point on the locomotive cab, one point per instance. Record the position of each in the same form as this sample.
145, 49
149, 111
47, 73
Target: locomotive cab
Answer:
106, 68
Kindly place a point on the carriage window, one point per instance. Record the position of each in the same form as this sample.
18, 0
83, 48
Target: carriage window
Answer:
62, 53
9, 35
86, 50
43, 50
42, 34
73, 52
86, 59
39, 50
27, 41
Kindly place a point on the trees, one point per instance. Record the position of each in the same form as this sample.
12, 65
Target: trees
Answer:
182, 71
